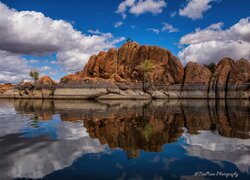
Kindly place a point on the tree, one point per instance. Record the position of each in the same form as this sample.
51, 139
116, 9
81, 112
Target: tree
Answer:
211, 67
146, 66
129, 40
34, 74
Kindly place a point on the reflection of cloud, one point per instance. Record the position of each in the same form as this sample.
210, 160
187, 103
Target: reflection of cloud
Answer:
167, 162
212, 146
156, 159
39, 156
118, 166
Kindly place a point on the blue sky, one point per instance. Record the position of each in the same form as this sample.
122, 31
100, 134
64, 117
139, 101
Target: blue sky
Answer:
197, 30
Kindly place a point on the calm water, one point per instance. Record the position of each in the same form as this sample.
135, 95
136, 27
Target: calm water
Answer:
124, 140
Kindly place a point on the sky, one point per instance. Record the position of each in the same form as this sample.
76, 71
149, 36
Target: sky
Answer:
57, 37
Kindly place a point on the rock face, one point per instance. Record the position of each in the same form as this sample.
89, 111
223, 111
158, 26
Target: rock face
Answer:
46, 80
5, 87
240, 72
196, 80
239, 80
219, 79
125, 64
196, 74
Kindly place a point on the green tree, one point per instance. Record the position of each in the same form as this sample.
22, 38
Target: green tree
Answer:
146, 66
129, 40
34, 74
211, 67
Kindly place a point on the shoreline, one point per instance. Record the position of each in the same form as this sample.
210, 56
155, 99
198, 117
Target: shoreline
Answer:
130, 92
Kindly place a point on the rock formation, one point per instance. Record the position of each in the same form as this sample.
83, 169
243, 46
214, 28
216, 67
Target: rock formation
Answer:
125, 64
121, 74
5, 87
219, 79
196, 80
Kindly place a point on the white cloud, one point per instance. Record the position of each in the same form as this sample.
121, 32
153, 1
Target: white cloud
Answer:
173, 14
166, 28
33, 61
152, 6
156, 31
45, 68
124, 5
13, 68
30, 32
140, 7
169, 28
94, 31
212, 44
118, 24
216, 26
52, 73
195, 9
132, 26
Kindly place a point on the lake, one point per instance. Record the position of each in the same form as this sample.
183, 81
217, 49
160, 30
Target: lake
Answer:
173, 139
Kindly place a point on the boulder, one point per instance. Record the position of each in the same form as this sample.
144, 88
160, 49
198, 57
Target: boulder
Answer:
238, 85
79, 93
158, 95
217, 88
196, 74
71, 78
125, 96
196, 81
240, 73
5, 87
46, 80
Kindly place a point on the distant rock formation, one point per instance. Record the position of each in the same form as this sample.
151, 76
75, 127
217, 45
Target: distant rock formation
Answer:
5, 87
120, 74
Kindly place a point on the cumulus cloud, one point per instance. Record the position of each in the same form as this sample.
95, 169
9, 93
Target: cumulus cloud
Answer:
169, 28
118, 24
212, 43
97, 31
13, 68
216, 26
195, 9
45, 68
140, 7
166, 28
30, 32
122, 8
156, 31
173, 14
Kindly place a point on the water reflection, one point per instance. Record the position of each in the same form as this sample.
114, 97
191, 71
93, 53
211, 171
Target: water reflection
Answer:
38, 137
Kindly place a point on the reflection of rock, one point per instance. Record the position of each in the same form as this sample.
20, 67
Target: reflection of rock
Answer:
39, 156
231, 119
130, 125
212, 146
42, 109
135, 130
238, 118
196, 115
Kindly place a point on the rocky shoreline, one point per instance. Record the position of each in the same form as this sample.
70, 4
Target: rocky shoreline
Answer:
119, 74
122, 92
